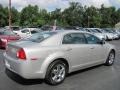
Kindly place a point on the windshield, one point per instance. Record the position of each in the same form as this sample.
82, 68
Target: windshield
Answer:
95, 31
108, 31
98, 31
41, 36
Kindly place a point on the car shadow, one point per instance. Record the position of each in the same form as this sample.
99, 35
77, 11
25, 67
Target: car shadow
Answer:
21, 80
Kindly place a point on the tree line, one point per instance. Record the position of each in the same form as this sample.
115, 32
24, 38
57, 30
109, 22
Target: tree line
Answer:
74, 15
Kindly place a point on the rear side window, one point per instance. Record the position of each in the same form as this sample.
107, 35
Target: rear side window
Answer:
91, 39
74, 38
25, 31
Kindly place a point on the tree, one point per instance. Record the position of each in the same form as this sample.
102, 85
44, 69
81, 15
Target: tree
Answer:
108, 16
116, 16
92, 17
15, 16
74, 14
28, 16
43, 17
3, 16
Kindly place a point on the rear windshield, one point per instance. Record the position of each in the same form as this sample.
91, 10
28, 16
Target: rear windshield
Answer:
7, 32
94, 30
41, 36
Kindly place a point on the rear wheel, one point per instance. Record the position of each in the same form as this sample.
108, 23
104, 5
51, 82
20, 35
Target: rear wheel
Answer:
56, 72
110, 59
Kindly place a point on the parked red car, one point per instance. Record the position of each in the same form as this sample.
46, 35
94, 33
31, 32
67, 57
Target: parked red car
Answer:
7, 36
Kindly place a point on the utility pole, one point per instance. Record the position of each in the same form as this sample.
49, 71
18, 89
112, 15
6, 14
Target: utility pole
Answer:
10, 14
88, 21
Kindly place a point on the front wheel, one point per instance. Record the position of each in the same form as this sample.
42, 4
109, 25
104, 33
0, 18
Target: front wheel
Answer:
56, 72
110, 59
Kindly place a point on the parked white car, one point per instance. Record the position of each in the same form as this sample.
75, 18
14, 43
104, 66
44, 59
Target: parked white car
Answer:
116, 34
96, 32
27, 32
109, 35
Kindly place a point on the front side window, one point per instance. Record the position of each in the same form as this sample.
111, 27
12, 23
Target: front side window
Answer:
74, 38
33, 32
91, 39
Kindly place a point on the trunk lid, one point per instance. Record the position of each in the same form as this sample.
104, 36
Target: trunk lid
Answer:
13, 47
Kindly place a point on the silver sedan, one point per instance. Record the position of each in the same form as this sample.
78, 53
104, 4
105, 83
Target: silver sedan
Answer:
51, 55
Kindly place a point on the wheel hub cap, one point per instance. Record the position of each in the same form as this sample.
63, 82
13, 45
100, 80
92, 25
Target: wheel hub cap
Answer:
111, 58
58, 73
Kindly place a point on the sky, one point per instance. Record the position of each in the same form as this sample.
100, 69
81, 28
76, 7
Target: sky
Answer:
51, 5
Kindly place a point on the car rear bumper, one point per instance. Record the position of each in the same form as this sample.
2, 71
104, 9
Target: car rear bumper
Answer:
22, 68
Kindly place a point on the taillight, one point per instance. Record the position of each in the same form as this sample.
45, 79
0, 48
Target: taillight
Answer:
21, 54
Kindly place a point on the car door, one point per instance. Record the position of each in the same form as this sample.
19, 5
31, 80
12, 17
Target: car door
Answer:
77, 50
98, 51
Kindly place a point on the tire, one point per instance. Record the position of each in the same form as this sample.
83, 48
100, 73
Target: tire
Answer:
56, 72
111, 58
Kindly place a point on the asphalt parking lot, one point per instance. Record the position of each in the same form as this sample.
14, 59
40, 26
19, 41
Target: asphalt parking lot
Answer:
96, 78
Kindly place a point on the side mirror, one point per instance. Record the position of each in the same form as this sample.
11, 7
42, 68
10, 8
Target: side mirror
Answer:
102, 42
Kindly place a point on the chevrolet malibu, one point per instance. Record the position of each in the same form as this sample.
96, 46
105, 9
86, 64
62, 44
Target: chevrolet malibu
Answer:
51, 55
